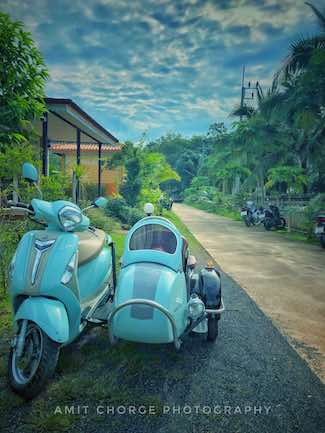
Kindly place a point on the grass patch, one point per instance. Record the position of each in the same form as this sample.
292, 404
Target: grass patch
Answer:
118, 237
297, 236
191, 239
228, 213
42, 422
5, 316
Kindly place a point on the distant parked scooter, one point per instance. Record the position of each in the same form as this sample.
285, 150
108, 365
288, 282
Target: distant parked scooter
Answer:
251, 214
273, 218
320, 228
61, 278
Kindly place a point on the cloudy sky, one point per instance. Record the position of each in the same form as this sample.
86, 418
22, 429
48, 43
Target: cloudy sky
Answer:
156, 66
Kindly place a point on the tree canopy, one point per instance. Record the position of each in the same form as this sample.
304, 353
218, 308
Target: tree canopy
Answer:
22, 78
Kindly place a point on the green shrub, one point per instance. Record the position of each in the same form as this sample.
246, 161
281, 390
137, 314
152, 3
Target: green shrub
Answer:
118, 208
99, 219
10, 234
89, 191
55, 187
133, 215
315, 205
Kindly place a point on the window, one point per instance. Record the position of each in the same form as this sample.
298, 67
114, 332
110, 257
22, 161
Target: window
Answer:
153, 237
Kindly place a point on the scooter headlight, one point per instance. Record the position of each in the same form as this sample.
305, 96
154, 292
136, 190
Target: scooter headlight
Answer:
70, 218
68, 273
195, 307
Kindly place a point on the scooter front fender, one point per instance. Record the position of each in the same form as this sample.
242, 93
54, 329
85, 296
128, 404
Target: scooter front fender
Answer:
50, 315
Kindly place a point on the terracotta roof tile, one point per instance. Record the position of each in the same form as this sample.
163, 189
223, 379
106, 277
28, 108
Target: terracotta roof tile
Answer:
72, 147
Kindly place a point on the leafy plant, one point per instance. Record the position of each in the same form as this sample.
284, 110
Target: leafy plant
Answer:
291, 176
22, 77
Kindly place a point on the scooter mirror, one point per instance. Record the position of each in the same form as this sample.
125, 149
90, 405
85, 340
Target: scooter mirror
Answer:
30, 173
101, 202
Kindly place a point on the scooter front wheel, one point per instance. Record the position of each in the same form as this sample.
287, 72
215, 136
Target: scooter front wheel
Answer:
29, 371
247, 221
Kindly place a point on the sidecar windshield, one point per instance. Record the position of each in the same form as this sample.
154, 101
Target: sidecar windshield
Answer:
153, 237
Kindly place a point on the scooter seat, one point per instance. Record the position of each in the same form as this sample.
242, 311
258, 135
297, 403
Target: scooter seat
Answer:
90, 245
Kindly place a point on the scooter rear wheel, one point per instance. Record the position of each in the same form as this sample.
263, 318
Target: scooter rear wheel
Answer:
283, 223
28, 373
322, 241
268, 224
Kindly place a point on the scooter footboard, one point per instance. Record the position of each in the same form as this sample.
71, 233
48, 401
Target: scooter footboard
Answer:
50, 315
142, 302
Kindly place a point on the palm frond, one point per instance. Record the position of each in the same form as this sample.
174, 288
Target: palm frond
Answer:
319, 15
300, 54
245, 110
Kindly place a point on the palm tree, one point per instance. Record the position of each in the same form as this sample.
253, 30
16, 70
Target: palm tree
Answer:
302, 50
245, 110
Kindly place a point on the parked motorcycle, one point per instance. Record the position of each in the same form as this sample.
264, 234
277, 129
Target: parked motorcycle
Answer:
320, 228
273, 218
61, 278
251, 214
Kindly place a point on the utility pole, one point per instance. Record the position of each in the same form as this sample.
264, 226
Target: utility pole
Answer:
247, 93
242, 93
252, 89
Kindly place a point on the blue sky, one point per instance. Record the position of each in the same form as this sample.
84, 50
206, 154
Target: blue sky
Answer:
156, 66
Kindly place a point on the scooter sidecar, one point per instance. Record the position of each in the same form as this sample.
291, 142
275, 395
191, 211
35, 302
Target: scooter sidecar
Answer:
157, 298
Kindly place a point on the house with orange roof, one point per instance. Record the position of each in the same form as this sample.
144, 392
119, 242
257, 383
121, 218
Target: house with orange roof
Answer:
68, 131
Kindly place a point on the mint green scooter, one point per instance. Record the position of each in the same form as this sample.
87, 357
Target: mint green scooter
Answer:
61, 278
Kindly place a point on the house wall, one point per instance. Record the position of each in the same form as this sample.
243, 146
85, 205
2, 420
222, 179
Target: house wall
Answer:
111, 178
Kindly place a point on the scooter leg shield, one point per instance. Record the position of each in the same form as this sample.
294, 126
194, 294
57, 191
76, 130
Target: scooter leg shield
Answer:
50, 315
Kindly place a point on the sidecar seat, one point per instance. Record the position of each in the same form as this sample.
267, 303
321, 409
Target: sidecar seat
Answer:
90, 245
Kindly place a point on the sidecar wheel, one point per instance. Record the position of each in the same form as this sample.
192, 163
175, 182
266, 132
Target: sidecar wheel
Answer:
28, 374
212, 329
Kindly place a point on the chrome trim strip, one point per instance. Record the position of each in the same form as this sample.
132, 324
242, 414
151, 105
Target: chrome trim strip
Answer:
41, 247
218, 310
150, 303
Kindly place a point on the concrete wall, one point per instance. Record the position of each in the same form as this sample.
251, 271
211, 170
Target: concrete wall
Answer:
111, 178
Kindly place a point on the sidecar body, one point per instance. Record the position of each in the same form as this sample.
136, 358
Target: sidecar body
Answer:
157, 298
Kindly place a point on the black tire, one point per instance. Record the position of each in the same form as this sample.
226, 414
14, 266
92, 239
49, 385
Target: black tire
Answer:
268, 224
322, 241
247, 221
213, 323
30, 387
283, 223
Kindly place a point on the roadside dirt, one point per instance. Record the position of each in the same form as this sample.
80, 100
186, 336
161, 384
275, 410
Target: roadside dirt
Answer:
285, 278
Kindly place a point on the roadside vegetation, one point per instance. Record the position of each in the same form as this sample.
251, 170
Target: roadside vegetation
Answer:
276, 149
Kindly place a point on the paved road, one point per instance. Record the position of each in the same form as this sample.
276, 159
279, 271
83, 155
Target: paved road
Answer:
285, 278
